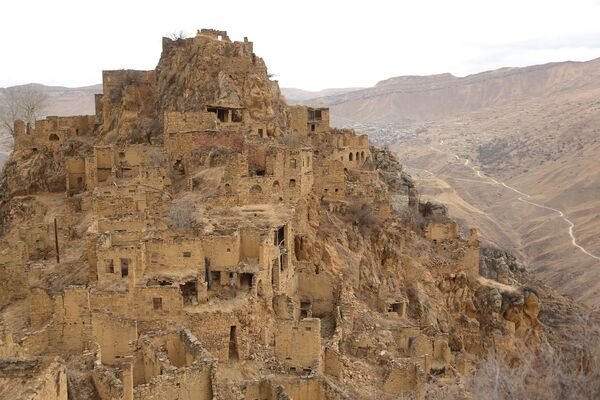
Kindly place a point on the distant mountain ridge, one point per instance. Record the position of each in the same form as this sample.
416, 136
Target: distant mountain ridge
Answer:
64, 100
300, 96
410, 98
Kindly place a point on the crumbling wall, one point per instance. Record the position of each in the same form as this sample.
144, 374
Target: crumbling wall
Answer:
118, 264
33, 379
181, 145
222, 250
158, 302
117, 302
318, 289
14, 281
52, 132
177, 257
221, 333
185, 384
329, 178
73, 320
40, 307
303, 120
405, 379
53, 384
298, 343
113, 334
106, 382
304, 389
445, 230
61, 324
180, 122
76, 174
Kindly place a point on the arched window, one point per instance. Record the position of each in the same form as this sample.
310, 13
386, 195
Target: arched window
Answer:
255, 189
276, 186
53, 137
350, 156
362, 155
292, 183
357, 156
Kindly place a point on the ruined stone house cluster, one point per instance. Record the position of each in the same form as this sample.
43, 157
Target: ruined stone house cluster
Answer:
196, 247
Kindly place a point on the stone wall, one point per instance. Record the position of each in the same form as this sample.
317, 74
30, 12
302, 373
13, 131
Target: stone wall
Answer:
33, 379
113, 334
298, 343
52, 132
405, 380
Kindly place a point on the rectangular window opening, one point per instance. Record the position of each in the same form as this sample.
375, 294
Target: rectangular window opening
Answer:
124, 267
157, 303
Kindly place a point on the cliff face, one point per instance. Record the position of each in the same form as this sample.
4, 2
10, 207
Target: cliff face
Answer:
191, 74
207, 238
217, 72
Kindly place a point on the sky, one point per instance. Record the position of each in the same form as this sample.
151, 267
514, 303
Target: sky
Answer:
307, 44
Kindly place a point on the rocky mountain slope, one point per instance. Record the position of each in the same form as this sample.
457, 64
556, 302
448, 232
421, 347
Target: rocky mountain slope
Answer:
534, 129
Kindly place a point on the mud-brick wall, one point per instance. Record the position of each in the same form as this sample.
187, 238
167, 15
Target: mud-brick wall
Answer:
41, 307
14, 282
442, 230
319, 289
179, 145
192, 383
213, 330
113, 334
223, 251
117, 302
304, 389
147, 307
72, 330
108, 385
405, 379
177, 122
298, 343
52, 384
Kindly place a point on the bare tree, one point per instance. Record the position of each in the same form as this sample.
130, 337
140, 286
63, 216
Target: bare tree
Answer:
177, 35
25, 103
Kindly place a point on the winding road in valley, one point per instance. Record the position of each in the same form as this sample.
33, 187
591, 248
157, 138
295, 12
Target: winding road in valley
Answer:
523, 197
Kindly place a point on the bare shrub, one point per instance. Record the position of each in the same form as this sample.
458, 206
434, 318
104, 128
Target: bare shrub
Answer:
569, 373
177, 35
364, 217
292, 139
181, 215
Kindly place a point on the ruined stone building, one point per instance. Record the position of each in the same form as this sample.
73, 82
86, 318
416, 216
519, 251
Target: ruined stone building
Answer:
197, 238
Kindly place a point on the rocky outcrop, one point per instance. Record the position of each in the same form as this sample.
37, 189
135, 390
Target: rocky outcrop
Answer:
499, 265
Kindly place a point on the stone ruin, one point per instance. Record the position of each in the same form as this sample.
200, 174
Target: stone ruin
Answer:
198, 238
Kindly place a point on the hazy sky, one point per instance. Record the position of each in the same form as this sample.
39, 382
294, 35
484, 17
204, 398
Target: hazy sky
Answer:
307, 44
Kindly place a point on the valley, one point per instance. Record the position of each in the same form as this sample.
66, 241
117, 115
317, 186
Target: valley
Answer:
532, 133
